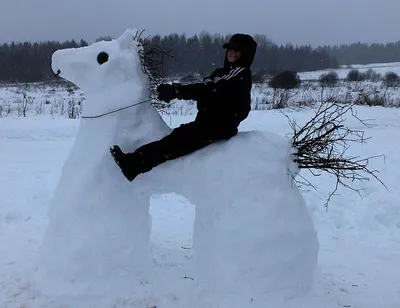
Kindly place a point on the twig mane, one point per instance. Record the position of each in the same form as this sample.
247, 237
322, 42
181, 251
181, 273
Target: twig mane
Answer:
152, 59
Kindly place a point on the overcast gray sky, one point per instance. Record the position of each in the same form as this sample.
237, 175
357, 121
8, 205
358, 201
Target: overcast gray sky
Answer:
298, 21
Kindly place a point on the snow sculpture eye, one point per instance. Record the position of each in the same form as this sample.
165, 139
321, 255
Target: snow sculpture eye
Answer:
102, 57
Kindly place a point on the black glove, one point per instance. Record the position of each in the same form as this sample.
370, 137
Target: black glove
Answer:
167, 92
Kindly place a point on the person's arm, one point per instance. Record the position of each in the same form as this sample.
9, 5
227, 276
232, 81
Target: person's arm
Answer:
222, 89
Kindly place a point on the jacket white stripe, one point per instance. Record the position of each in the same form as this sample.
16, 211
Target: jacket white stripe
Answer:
230, 75
231, 72
235, 73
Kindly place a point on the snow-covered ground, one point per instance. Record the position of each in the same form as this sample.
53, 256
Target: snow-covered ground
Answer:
60, 102
65, 101
380, 68
359, 238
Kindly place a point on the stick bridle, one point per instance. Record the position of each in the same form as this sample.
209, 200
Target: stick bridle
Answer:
110, 112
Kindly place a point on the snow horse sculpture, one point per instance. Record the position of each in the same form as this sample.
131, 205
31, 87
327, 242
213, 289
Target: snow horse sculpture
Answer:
252, 234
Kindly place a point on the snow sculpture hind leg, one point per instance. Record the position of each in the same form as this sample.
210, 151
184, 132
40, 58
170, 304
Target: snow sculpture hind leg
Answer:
253, 235
266, 245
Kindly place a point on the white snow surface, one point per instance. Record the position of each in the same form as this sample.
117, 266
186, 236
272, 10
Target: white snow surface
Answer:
228, 227
359, 238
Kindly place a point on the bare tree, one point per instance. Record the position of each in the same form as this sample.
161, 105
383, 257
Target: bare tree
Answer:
322, 143
24, 104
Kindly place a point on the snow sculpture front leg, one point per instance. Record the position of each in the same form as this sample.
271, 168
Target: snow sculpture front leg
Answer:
97, 242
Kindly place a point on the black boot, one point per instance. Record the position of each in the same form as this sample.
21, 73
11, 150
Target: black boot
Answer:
125, 162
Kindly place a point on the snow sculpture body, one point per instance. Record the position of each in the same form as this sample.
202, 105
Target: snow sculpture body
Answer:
252, 231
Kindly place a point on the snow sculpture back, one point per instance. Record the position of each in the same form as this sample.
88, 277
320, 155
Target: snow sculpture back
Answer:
253, 235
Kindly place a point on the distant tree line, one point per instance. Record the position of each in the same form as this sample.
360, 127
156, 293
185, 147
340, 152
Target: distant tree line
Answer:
202, 53
361, 53
29, 62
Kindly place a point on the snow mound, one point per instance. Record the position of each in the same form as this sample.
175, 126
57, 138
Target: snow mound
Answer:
253, 237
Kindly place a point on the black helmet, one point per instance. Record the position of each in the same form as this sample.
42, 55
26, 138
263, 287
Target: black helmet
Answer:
246, 45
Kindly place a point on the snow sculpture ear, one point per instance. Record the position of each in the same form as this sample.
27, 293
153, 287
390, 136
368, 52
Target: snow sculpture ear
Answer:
126, 39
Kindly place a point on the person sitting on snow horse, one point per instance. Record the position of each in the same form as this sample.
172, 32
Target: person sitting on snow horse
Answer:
223, 101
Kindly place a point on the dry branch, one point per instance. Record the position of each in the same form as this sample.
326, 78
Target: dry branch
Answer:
322, 143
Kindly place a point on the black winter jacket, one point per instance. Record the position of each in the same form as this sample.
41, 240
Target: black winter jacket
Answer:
224, 97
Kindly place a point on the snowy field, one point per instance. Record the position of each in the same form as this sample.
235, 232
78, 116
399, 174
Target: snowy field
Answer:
380, 68
359, 254
61, 100
359, 238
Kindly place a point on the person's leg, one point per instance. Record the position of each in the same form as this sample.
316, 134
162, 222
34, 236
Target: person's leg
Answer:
183, 140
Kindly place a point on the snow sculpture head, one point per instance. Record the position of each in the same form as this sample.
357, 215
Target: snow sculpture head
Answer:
101, 65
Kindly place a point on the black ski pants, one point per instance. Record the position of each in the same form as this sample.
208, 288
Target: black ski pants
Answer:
183, 140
